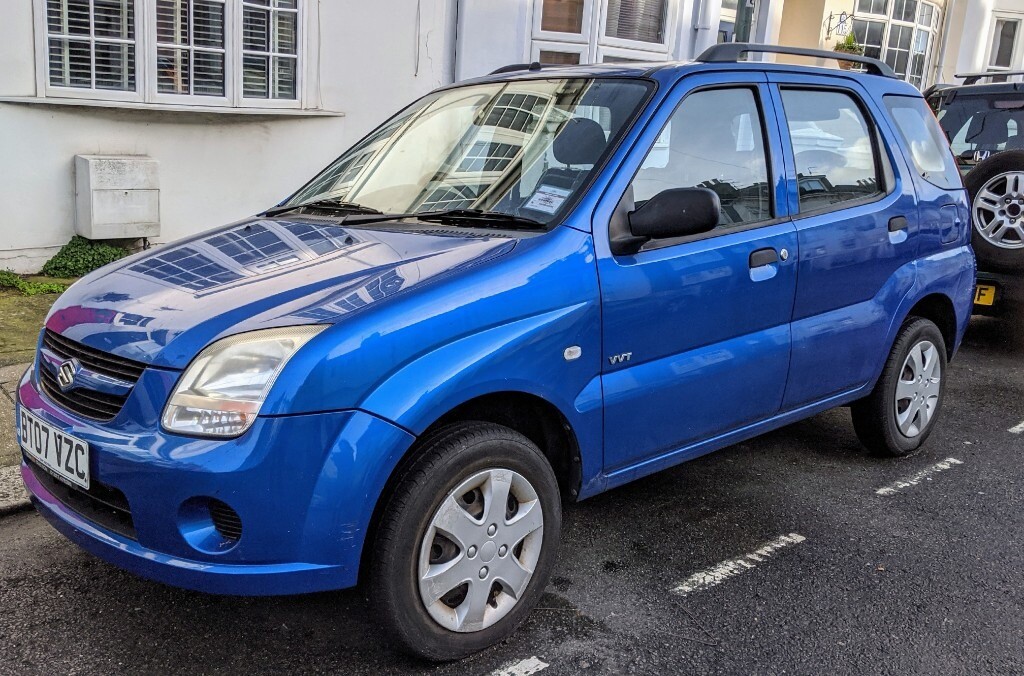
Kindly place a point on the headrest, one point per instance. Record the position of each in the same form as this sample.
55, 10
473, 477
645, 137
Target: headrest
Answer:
581, 141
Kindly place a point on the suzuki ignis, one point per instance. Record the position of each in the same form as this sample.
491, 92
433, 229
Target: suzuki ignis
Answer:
523, 289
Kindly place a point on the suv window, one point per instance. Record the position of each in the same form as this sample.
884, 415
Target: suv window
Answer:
832, 144
714, 140
921, 134
982, 124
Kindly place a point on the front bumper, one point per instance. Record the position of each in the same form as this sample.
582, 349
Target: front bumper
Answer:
304, 488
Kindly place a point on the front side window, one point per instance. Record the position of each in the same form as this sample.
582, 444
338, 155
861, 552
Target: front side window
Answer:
921, 134
833, 148
714, 140
523, 148
213, 52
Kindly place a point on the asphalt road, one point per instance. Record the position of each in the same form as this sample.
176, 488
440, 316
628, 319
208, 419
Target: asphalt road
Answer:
927, 577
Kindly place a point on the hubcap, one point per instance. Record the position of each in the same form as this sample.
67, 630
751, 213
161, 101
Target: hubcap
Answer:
480, 550
917, 391
998, 208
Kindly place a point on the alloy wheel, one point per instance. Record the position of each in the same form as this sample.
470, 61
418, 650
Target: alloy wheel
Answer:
480, 550
999, 210
918, 389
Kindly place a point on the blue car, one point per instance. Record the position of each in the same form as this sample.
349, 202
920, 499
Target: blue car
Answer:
527, 288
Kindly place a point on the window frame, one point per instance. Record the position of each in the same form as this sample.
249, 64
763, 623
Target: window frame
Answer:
539, 46
932, 31
884, 171
146, 64
718, 231
1018, 48
593, 42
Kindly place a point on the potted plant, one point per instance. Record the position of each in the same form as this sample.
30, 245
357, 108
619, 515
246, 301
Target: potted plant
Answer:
848, 45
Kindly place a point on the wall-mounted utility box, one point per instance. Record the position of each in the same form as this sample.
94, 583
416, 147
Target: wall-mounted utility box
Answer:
117, 197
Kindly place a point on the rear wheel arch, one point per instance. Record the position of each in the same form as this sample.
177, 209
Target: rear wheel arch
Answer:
939, 309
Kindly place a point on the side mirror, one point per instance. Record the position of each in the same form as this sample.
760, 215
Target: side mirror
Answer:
677, 212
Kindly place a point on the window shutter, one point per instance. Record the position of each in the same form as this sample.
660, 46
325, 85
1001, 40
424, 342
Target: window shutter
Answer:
641, 20
91, 45
270, 41
190, 47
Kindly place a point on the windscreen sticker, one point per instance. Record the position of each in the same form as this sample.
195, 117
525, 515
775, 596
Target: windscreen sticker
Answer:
547, 198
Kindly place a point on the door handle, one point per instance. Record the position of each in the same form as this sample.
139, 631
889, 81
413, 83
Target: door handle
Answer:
897, 223
763, 257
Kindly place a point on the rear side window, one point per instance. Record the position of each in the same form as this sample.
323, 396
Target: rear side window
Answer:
833, 148
922, 135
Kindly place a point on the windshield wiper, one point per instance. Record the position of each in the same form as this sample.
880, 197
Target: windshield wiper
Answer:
478, 217
494, 219
327, 203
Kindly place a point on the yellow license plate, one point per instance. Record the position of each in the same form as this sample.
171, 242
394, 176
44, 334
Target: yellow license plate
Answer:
984, 294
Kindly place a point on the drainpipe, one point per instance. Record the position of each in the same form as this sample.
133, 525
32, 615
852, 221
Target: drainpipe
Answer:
943, 42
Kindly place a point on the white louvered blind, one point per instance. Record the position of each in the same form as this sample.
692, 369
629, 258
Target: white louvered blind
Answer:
190, 47
270, 41
641, 20
91, 44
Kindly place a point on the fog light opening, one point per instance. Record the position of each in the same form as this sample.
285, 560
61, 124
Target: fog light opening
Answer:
209, 525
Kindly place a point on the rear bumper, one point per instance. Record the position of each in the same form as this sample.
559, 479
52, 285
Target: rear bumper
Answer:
304, 488
1008, 294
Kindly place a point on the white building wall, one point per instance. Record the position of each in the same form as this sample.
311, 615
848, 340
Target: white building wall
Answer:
373, 59
970, 33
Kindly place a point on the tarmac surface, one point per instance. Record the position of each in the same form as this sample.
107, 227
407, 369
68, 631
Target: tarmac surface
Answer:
793, 553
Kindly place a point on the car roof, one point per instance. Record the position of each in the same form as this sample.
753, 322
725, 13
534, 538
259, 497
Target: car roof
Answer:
668, 71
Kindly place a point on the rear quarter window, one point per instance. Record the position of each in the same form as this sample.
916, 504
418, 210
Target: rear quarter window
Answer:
924, 140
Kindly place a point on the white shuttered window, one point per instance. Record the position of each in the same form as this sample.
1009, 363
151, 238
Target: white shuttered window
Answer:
190, 51
239, 53
91, 44
270, 48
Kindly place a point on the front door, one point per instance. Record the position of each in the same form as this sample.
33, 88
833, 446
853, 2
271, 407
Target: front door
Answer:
696, 330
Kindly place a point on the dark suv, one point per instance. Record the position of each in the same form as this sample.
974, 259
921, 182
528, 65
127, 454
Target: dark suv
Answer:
983, 118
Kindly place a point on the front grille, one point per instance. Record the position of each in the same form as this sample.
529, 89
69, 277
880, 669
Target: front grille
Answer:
102, 406
103, 505
225, 520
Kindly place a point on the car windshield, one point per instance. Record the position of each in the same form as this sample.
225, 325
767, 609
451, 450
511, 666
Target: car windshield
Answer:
978, 125
521, 148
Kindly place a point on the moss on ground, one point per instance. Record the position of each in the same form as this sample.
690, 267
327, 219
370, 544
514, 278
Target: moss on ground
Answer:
21, 318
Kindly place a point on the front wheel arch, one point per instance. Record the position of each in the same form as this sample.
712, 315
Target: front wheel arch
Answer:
534, 417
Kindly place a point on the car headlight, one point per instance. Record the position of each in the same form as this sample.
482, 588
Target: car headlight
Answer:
221, 391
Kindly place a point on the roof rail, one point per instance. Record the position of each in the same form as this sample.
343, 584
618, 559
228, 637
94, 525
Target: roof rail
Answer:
731, 52
512, 68
972, 78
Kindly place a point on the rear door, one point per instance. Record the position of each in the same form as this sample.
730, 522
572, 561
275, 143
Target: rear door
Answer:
696, 330
857, 223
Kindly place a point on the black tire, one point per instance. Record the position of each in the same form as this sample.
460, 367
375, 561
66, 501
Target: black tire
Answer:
990, 256
443, 461
874, 417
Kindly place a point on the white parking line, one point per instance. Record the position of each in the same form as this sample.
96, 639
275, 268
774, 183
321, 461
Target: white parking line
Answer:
726, 569
1017, 429
521, 668
923, 475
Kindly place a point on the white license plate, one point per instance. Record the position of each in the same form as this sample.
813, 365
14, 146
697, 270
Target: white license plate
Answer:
62, 455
